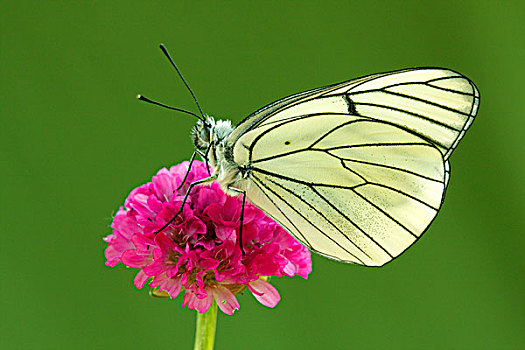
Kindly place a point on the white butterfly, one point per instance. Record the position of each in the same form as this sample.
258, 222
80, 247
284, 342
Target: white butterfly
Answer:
355, 171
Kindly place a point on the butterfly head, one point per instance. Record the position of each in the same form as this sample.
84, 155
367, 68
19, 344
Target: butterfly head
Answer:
210, 134
201, 134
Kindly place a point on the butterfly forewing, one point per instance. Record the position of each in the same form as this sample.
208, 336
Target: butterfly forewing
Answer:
437, 104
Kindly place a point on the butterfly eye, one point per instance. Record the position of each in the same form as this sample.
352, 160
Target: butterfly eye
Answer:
205, 134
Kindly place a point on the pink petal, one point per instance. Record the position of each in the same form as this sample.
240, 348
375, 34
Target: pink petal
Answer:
290, 269
163, 186
250, 232
173, 287
267, 264
194, 226
165, 243
208, 263
142, 242
200, 283
225, 299
224, 232
264, 292
121, 243
231, 211
155, 268
141, 206
178, 170
140, 279
112, 256
136, 193
214, 211
127, 225
154, 204
194, 303
209, 195
135, 258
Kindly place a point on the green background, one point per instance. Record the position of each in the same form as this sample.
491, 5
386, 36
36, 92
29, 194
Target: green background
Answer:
75, 142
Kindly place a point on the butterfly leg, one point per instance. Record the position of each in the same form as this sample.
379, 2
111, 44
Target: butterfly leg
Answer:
206, 159
243, 192
193, 184
189, 167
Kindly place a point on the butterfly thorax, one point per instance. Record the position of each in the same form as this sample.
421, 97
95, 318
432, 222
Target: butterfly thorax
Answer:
210, 137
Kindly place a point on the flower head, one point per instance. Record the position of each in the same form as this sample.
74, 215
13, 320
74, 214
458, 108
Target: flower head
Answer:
199, 252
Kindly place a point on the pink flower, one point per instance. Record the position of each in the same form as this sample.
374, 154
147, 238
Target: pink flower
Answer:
199, 252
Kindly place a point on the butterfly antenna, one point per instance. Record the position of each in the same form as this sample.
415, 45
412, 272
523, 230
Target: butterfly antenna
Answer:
145, 99
165, 51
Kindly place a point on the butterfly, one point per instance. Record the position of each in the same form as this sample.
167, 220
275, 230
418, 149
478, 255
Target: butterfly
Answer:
355, 171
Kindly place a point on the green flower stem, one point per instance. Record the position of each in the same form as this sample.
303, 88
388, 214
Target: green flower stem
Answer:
205, 332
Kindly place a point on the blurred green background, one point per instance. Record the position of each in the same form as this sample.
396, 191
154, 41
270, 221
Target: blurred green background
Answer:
75, 142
